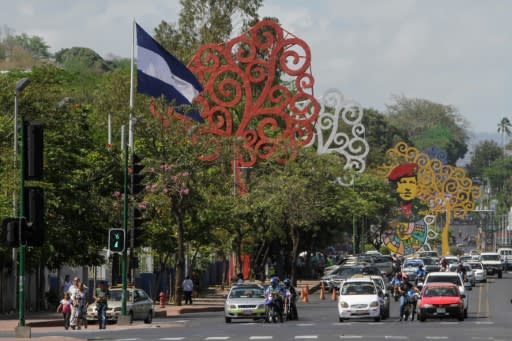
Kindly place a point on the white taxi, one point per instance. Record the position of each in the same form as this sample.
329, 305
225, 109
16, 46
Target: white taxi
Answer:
359, 298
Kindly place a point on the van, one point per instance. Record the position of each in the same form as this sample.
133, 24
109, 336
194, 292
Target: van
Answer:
506, 257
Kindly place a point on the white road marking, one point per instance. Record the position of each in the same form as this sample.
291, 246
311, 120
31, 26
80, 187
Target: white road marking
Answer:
172, 338
181, 321
436, 337
390, 337
299, 337
217, 338
351, 336
484, 322
305, 324
260, 338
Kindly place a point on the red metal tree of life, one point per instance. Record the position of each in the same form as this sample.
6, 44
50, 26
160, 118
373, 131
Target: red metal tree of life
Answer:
258, 89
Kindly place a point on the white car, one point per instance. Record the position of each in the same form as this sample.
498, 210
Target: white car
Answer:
479, 271
139, 306
359, 298
450, 277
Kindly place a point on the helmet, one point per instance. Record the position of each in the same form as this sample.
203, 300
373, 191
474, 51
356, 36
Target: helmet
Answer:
287, 281
274, 280
420, 266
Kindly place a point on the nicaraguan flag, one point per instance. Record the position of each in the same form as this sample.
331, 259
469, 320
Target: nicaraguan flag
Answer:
160, 73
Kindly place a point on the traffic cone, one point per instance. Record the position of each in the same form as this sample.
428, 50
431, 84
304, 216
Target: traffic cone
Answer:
322, 291
334, 294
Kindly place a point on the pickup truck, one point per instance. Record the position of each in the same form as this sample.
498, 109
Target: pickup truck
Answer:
492, 263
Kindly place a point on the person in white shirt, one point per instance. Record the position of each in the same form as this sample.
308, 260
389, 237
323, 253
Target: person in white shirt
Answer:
188, 287
75, 294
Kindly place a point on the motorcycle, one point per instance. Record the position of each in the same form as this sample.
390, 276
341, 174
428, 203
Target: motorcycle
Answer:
410, 305
274, 308
396, 292
290, 309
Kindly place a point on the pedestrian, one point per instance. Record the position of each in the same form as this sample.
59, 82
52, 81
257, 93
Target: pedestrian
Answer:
188, 287
83, 303
74, 294
67, 284
65, 308
240, 278
101, 295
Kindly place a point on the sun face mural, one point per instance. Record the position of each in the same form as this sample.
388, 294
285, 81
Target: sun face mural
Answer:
409, 228
426, 188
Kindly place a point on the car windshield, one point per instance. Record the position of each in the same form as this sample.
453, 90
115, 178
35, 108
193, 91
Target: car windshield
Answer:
355, 288
440, 291
412, 264
455, 279
246, 293
428, 261
349, 271
490, 257
476, 266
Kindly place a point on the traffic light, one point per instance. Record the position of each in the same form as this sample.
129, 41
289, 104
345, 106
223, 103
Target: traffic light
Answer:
116, 240
137, 230
135, 177
33, 150
10, 232
34, 232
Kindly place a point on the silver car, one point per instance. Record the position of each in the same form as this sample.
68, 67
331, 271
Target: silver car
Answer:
139, 306
245, 301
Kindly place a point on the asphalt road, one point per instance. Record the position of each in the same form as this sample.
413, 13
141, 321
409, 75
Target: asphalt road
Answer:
490, 318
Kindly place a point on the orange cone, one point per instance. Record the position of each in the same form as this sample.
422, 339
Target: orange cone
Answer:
334, 294
322, 291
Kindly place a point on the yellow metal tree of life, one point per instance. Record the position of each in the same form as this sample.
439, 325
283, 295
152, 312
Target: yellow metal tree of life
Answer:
440, 188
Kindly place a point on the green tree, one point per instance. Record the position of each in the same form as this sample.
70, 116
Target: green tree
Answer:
504, 128
484, 154
431, 124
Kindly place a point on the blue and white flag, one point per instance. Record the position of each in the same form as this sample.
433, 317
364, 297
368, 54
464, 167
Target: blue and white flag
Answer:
160, 73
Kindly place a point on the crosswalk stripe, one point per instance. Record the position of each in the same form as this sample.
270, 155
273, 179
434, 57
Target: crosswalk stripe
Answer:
351, 336
260, 338
217, 338
172, 338
298, 337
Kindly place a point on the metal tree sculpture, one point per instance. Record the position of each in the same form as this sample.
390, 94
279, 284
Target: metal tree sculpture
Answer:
331, 138
244, 95
443, 188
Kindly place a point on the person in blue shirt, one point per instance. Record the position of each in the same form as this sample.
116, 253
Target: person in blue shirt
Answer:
420, 273
274, 295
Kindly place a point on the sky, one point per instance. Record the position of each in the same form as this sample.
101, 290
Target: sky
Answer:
453, 52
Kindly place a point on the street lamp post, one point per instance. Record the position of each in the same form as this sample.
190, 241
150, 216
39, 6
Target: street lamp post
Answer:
20, 85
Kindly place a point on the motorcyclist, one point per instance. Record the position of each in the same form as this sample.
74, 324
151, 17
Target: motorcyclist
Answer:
444, 264
403, 290
396, 282
420, 274
291, 294
278, 293
462, 271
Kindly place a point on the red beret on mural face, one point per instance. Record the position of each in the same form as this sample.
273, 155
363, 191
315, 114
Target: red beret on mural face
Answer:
400, 171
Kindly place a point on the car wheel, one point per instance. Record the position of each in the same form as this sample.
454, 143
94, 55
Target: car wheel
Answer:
149, 317
340, 319
422, 318
466, 312
500, 274
228, 319
130, 317
377, 319
485, 280
461, 317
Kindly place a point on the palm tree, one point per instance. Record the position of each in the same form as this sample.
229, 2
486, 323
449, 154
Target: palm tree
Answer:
504, 128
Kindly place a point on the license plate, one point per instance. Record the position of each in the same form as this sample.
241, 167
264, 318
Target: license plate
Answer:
360, 312
247, 312
441, 310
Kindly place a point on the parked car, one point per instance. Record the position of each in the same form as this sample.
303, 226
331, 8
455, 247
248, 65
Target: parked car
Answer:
441, 300
449, 277
245, 301
479, 271
506, 257
359, 298
139, 306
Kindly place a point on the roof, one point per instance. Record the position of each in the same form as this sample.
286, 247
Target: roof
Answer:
359, 279
440, 284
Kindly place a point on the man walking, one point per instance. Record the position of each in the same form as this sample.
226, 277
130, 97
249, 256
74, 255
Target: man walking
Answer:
188, 287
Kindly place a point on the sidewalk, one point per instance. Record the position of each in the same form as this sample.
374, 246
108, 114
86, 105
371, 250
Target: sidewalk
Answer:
214, 301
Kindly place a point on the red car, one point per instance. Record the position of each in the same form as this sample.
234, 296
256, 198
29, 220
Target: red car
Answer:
441, 300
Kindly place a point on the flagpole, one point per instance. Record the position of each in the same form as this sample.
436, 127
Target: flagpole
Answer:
131, 67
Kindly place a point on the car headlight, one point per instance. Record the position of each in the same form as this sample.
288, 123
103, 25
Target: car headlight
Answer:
343, 304
455, 305
374, 304
260, 306
116, 309
427, 306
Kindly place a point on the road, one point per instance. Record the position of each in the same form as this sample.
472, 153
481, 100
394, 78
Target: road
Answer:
490, 318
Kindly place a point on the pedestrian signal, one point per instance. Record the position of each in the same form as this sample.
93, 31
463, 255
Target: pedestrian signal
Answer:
116, 240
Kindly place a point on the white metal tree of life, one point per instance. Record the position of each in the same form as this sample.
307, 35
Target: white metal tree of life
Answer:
348, 139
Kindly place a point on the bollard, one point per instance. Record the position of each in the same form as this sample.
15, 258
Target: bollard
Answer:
334, 294
162, 299
322, 291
